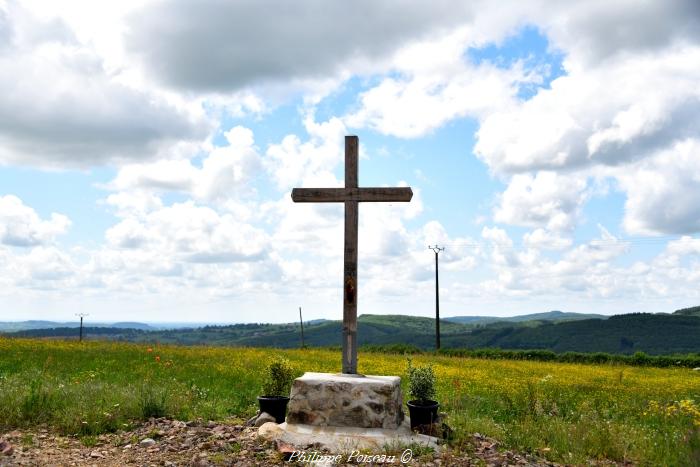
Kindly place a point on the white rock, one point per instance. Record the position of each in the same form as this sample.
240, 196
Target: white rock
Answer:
147, 442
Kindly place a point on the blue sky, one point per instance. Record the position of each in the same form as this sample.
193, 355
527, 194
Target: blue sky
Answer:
148, 151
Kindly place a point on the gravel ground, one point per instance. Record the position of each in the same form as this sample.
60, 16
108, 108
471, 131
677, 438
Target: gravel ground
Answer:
164, 442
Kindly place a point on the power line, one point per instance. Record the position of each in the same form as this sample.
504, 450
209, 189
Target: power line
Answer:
436, 249
82, 315
564, 243
301, 320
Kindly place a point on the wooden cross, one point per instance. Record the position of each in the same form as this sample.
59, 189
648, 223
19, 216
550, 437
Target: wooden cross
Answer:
350, 195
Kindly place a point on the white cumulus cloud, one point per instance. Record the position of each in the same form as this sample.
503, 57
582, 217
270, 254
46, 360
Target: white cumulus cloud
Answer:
225, 171
546, 199
61, 107
21, 226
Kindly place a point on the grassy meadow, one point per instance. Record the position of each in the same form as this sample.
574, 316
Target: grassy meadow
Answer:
569, 413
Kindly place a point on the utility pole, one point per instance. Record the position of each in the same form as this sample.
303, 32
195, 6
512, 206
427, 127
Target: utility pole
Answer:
437, 250
81, 324
302, 328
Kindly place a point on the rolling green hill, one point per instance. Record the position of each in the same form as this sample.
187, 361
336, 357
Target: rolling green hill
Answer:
548, 316
12, 326
692, 311
655, 334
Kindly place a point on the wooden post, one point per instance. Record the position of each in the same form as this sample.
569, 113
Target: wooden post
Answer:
350, 269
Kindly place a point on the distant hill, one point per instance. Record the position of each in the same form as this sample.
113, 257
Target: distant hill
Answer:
651, 333
692, 311
11, 326
132, 325
73, 332
548, 316
472, 319
655, 334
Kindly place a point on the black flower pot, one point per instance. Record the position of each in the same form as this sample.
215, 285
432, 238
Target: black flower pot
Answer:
422, 412
275, 406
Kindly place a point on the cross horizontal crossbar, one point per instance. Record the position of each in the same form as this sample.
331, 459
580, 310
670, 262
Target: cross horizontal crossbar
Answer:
338, 195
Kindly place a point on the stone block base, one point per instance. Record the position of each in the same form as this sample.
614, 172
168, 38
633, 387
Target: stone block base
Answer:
337, 400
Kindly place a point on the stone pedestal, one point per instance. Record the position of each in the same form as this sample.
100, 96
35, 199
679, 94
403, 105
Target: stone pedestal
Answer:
338, 400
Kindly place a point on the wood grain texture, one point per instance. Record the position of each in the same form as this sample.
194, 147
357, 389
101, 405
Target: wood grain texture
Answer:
350, 289
340, 195
349, 360
351, 163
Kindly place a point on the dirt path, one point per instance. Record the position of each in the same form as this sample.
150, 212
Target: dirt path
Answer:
163, 442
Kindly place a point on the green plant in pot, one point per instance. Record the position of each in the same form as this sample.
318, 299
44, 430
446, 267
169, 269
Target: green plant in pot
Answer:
422, 409
275, 389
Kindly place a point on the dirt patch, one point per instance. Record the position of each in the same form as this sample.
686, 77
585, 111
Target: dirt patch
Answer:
163, 442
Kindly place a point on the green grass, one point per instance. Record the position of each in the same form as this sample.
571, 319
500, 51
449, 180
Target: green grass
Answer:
569, 413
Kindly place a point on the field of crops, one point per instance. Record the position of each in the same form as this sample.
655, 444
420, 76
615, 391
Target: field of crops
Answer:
565, 412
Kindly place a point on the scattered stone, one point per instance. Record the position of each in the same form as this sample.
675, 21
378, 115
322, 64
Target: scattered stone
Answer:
186, 444
250, 450
6, 448
285, 449
147, 442
263, 418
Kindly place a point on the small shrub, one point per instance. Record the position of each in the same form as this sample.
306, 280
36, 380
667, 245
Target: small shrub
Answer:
39, 404
641, 358
279, 378
421, 382
399, 349
89, 441
27, 439
151, 403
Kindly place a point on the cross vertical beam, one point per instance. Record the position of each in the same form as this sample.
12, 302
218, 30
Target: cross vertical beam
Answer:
350, 261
